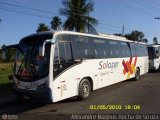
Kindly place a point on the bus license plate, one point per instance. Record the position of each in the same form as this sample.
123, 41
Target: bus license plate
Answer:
26, 97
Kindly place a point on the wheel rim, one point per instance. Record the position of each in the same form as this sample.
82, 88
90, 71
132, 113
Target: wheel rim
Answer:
137, 74
85, 89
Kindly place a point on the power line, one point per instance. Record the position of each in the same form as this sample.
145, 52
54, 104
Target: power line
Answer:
144, 4
151, 4
154, 3
41, 11
129, 5
21, 12
28, 8
111, 25
109, 29
32, 14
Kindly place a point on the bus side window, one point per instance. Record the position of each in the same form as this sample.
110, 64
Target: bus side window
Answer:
115, 49
138, 49
56, 55
65, 54
83, 47
133, 49
100, 48
62, 57
125, 49
145, 50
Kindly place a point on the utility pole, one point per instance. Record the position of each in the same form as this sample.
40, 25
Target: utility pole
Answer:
123, 30
88, 22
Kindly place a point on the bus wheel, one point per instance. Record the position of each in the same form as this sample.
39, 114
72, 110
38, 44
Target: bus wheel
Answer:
84, 89
137, 74
159, 68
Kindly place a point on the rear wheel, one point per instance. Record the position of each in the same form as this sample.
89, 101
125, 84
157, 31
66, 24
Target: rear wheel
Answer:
84, 89
158, 68
137, 74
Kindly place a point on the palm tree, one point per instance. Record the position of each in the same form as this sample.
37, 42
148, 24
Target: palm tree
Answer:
56, 23
77, 13
42, 27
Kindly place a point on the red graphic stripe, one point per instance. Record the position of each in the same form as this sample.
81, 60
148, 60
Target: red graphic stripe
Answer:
130, 60
129, 67
124, 65
124, 71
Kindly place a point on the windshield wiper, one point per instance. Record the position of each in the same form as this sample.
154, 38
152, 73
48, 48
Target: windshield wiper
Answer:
20, 70
20, 67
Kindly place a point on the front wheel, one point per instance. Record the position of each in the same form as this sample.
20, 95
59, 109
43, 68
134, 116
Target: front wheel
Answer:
137, 74
84, 89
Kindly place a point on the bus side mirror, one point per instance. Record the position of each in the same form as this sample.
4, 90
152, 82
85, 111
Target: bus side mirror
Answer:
10, 77
41, 50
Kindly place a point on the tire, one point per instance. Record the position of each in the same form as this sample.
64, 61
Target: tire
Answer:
158, 68
137, 74
84, 89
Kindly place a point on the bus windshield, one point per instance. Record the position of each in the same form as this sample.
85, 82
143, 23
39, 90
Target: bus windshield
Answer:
29, 66
152, 52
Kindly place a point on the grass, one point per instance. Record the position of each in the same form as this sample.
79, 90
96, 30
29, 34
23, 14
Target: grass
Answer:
5, 83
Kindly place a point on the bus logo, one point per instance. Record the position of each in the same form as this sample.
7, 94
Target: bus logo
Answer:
129, 67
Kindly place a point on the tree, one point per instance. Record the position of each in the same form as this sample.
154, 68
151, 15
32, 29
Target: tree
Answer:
56, 23
145, 40
77, 13
42, 27
118, 34
9, 54
135, 36
155, 41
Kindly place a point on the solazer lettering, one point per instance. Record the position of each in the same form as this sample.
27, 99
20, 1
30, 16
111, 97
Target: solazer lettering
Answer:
105, 65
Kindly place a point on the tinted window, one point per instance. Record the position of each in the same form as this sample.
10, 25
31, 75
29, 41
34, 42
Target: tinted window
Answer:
63, 53
145, 52
115, 50
64, 38
125, 49
141, 49
82, 47
138, 50
101, 48
133, 49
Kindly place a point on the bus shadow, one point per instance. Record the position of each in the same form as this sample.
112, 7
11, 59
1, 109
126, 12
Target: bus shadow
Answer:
70, 100
6, 89
154, 71
17, 106
107, 88
129, 80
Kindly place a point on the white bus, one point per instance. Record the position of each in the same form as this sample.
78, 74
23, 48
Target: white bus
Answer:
53, 66
154, 56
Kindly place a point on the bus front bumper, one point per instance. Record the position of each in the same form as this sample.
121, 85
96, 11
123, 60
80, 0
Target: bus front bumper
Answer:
44, 95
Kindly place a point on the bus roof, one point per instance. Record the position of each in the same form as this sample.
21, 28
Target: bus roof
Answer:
99, 35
